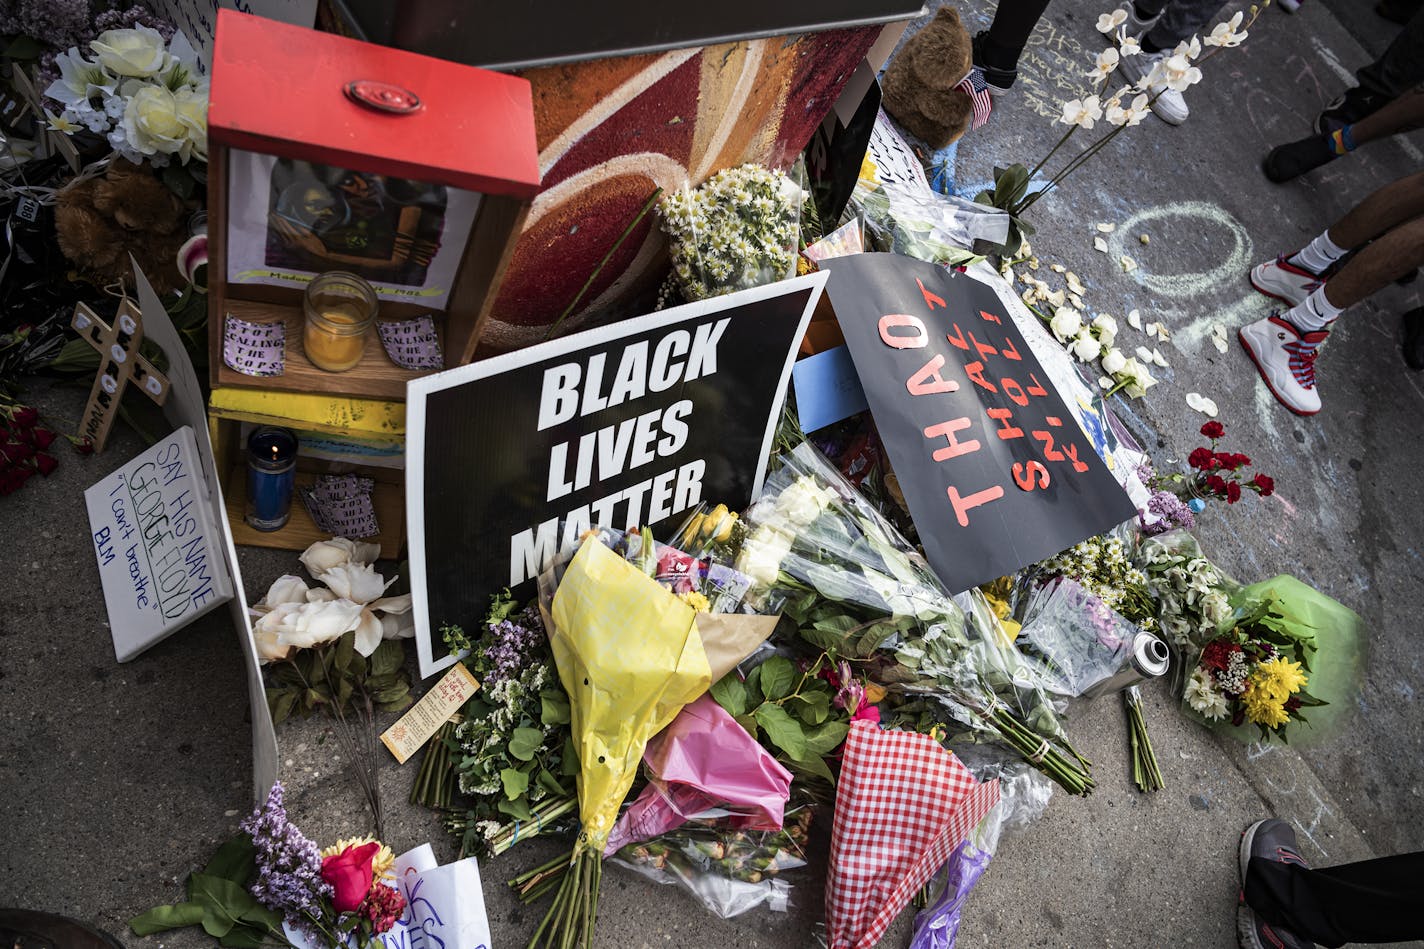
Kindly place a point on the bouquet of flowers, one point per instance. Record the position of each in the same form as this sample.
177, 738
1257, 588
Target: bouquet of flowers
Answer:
1103, 566
738, 229
1257, 673
1216, 475
510, 753
271, 882
143, 93
1192, 594
857, 591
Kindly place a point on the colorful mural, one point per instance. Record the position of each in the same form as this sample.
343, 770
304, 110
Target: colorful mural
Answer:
612, 130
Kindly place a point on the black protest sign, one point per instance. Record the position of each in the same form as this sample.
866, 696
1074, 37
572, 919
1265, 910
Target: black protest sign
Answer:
994, 468
511, 458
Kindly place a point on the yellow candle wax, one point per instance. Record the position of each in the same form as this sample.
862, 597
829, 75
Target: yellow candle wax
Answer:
332, 341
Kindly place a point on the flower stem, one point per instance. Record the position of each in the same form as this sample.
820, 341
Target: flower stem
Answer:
642, 213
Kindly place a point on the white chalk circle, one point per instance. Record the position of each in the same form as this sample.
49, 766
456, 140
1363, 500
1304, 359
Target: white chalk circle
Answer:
109, 383
118, 353
153, 385
127, 324
1188, 217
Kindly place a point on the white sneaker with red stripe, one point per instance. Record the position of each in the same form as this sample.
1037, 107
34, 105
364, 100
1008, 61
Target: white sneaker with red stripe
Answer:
1285, 281
1286, 359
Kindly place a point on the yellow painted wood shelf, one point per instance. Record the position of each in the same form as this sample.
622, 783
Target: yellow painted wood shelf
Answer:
375, 419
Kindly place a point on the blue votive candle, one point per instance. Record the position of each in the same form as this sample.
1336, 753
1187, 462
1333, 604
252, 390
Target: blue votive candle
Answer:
271, 477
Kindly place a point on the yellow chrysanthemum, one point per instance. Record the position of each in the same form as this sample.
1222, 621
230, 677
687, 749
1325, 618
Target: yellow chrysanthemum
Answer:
1280, 678
1264, 710
382, 867
695, 600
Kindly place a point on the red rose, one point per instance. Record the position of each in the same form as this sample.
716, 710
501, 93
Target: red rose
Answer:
41, 438
46, 463
1213, 429
1199, 457
25, 418
16, 451
1265, 484
1233, 493
349, 873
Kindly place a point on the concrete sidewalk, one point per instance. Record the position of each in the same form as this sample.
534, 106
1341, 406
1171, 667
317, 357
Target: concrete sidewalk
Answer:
120, 780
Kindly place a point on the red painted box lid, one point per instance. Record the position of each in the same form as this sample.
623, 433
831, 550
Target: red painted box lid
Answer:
284, 90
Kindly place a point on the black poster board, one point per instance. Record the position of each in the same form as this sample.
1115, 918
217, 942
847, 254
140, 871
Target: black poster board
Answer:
628, 425
994, 468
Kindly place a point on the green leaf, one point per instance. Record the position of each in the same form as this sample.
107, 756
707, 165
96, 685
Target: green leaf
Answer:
234, 860
388, 657
550, 783
553, 708
826, 738
398, 705
813, 766
778, 676
811, 707
730, 693
516, 783
345, 649
749, 723
243, 937
525, 742
223, 902
262, 916
23, 47
395, 693
517, 809
161, 918
282, 702
783, 731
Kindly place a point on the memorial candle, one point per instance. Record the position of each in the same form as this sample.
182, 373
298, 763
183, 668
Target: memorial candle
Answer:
339, 309
271, 477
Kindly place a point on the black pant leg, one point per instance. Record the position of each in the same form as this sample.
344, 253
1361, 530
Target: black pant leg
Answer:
1369, 901
1014, 21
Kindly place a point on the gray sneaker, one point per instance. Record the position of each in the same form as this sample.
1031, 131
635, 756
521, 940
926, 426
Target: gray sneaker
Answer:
1269, 840
1169, 106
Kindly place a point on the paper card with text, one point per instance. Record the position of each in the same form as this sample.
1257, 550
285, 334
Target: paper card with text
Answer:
254, 349
160, 554
412, 344
415, 727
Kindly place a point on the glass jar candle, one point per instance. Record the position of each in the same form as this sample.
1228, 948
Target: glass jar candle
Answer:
339, 309
271, 477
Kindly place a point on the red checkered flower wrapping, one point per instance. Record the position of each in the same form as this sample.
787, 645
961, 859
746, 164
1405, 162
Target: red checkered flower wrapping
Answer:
903, 804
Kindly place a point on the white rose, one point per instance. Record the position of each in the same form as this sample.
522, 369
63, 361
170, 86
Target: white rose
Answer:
304, 625
1065, 323
1086, 348
326, 554
761, 556
285, 589
1113, 362
357, 582
802, 502
1105, 325
136, 52
151, 122
192, 113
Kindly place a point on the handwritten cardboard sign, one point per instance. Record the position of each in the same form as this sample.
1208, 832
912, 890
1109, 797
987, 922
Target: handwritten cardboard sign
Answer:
512, 458
160, 553
994, 467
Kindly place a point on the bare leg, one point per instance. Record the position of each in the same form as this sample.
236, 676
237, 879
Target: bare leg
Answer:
1293, 159
1388, 207
1404, 114
1391, 256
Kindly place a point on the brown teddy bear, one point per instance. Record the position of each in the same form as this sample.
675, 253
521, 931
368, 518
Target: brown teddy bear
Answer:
101, 221
921, 90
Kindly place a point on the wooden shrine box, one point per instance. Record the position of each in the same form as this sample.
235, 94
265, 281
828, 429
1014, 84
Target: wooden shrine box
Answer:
330, 154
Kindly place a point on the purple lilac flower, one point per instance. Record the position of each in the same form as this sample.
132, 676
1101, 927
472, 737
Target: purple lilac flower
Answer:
288, 864
58, 23
46, 72
511, 644
1172, 513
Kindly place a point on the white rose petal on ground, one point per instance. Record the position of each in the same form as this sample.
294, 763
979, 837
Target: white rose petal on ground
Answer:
1159, 359
1105, 382
1200, 403
1100, 245
1107, 228
1058, 268
1144, 354
1134, 319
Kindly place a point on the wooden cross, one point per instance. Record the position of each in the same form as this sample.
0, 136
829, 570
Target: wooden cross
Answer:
47, 140
119, 364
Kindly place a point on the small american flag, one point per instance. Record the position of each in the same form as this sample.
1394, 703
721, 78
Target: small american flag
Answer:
977, 89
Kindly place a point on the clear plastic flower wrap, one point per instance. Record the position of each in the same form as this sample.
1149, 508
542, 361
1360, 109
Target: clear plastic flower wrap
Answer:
738, 229
820, 553
1078, 638
926, 225
726, 870
1193, 595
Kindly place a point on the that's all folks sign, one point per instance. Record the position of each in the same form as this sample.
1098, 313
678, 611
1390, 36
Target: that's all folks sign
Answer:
994, 468
510, 459
160, 555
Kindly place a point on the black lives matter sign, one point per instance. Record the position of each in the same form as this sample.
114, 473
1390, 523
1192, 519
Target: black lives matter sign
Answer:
635, 424
994, 468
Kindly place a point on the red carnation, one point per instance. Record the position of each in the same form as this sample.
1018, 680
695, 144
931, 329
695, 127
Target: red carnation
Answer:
1265, 484
1224, 459
1240, 459
41, 438
1217, 653
1213, 429
1199, 457
85, 447
46, 463
1217, 484
1233, 493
